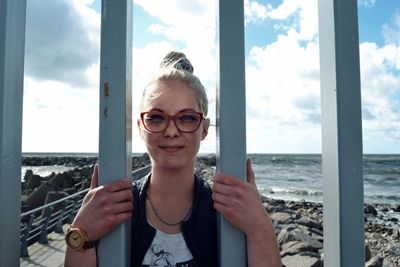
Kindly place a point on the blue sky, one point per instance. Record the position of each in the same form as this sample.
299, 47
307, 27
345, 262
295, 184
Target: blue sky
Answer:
282, 70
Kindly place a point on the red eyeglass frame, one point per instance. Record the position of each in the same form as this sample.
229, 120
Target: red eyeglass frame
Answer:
172, 117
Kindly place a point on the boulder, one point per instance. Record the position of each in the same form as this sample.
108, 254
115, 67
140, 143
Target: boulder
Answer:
376, 261
32, 180
296, 247
309, 223
369, 209
281, 217
367, 253
301, 261
38, 196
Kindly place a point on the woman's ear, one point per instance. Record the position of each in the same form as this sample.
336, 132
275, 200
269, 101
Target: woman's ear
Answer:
139, 125
206, 125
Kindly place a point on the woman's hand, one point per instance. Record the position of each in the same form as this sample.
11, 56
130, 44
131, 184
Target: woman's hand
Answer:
104, 207
239, 201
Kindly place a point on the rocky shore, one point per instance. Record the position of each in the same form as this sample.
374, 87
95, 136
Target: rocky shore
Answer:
37, 190
298, 225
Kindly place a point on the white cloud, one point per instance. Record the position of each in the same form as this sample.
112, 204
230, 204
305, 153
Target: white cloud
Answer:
391, 32
255, 11
62, 41
59, 118
283, 85
380, 84
191, 22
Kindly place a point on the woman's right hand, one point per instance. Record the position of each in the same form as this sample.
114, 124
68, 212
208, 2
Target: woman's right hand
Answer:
104, 207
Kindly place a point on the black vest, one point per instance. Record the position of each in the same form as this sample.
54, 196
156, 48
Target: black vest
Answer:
199, 231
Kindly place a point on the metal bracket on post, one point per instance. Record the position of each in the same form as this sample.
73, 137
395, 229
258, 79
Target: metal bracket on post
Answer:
12, 47
231, 118
341, 134
115, 151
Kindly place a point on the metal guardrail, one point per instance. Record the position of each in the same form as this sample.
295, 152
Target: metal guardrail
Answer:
36, 224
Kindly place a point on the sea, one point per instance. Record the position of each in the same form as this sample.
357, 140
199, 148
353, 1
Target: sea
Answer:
294, 176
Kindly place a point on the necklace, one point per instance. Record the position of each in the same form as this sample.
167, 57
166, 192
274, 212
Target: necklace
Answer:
161, 219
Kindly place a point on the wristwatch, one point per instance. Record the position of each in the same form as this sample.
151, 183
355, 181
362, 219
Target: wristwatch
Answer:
77, 239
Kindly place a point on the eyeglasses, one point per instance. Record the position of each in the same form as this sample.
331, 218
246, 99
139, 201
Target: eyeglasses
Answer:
186, 121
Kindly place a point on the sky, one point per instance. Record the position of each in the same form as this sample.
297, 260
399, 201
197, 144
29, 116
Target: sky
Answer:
62, 53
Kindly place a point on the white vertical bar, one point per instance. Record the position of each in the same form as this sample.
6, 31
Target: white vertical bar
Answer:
341, 134
231, 118
115, 151
12, 46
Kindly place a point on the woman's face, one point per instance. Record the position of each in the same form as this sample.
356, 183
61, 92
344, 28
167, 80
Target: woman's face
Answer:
172, 148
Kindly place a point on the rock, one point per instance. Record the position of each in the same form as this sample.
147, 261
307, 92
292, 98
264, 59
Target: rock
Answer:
32, 181
397, 209
396, 233
309, 223
269, 208
59, 180
301, 261
37, 197
28, 174
376, 261
369, 209
286, 236
295, 247
281, 217
367, 253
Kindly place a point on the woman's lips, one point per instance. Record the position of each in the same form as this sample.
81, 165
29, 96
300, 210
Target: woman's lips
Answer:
171, 148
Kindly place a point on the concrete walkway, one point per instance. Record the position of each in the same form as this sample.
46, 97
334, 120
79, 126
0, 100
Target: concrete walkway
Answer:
49, 255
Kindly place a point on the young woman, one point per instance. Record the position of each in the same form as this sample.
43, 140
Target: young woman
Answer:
173, 212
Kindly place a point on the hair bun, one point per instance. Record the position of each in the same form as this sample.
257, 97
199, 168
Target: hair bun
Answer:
178, 61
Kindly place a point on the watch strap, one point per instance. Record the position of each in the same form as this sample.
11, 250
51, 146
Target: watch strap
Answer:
89, 244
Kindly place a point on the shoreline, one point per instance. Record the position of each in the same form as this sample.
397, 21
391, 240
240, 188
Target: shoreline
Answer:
298, 224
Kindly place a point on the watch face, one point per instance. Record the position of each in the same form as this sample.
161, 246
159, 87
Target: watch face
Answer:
75, 239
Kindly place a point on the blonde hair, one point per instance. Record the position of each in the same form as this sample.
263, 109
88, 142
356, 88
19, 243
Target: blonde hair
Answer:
176, 67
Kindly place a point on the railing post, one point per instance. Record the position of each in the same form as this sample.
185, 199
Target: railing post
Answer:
43, 232
115, 151
24, 241
231, 118
12, 47
341, 134
59, 225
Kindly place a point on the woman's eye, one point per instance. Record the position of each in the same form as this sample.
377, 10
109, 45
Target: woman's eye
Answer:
188, 118
154, 117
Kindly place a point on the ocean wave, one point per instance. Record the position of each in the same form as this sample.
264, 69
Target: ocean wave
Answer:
383, 171
384, 197
281, 160
303, 192
382, 180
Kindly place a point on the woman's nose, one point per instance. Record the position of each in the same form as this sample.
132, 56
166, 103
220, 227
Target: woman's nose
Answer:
171, 129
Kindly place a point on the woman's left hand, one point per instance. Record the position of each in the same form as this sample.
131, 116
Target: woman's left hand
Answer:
239, 201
